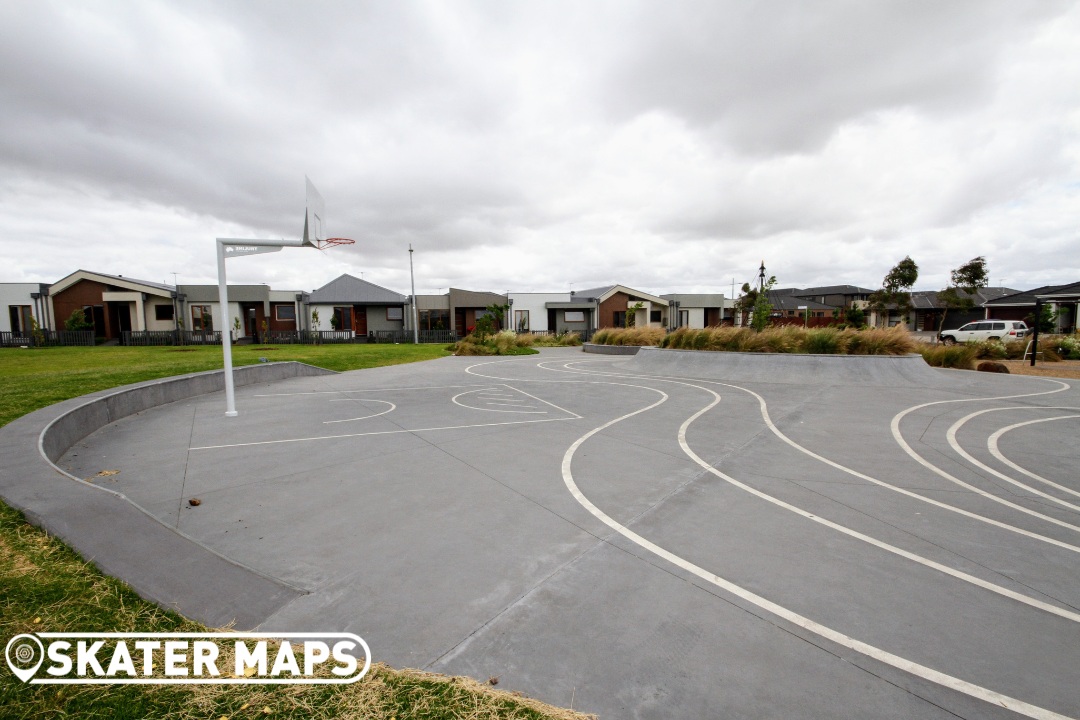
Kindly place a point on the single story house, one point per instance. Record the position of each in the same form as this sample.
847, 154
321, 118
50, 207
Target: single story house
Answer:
351, 304
113, 304
23, 301
1063, 299
695, 310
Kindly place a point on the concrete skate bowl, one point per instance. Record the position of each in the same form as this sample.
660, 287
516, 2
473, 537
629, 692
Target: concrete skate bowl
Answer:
788, 368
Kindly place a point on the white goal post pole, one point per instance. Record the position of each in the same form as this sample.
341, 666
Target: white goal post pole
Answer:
234, 247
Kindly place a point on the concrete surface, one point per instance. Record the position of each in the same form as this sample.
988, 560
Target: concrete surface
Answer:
671, 535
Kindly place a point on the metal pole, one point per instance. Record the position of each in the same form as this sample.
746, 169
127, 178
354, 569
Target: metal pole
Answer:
415, 315
226, 337
1035, 335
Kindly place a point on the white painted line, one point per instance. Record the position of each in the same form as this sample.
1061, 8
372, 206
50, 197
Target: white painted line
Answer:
855, 473
960, 575
992, 446
383, 432
560, 409
369, 390
951, 436
392, 408
487, 409
927, 673
899, 438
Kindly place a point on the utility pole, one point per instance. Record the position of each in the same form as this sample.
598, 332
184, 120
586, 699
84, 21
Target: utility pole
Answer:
415, 316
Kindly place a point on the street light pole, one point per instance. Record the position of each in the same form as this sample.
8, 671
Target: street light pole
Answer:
415, 315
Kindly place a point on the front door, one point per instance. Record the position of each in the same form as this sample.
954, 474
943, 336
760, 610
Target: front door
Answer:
360, 320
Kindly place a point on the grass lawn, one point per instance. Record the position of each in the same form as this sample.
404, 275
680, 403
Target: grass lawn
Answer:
40, 377
47, 587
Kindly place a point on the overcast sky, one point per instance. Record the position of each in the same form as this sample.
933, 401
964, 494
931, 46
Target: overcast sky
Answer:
539, 146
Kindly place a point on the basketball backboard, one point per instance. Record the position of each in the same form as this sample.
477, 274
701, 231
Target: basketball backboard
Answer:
315, 216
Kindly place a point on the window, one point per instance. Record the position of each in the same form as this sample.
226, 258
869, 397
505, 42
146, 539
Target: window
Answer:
521, 320
618, 318
285, 312
684, 318
434, 319
395, 313
655, 316
20, 318
163, 312
343, 317
201, 318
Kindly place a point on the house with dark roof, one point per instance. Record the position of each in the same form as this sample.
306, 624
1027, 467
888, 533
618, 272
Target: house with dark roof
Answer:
837, 296
1063, 299
113, 304
350, 304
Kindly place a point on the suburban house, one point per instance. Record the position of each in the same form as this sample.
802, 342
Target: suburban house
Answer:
791, 309
837, 296
457, 311
113, 304
1064, 300
249, 307
695, 310
21, 302
613, 302
350, 304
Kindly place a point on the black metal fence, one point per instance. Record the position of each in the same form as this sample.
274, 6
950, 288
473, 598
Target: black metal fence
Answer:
170, 337
47, 338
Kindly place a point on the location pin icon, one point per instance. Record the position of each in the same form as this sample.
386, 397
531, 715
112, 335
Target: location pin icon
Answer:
24, 656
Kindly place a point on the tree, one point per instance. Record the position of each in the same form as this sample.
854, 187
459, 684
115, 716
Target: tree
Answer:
896, 288
631, 314
762, 309
77, 321
486, 323
963, 282
854, 315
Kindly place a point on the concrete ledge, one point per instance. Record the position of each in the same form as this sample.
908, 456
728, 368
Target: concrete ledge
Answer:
611, 349
71, 427
886, 370
161, 564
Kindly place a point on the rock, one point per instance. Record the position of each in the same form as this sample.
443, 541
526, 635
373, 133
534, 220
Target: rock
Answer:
196, 502
991, 366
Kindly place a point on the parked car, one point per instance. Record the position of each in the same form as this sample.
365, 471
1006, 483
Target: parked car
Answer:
985, 330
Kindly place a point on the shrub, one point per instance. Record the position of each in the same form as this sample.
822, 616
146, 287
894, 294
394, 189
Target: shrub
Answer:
629, 336
991, 350
894, 341
950, 356
826, 341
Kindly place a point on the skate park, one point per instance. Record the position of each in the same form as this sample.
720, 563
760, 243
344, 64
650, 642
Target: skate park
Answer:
669, 534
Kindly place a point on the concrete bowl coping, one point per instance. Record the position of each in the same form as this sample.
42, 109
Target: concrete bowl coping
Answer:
890, 370
611, 349
161, 563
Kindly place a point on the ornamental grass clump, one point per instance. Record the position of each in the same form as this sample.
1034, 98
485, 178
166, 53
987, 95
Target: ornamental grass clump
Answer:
961, 357
894, 341
826, 341
646, 336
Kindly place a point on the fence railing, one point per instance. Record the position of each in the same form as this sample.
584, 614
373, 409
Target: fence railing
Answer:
47, 338
170, 337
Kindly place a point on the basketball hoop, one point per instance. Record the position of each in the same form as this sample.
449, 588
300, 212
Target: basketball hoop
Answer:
331, 242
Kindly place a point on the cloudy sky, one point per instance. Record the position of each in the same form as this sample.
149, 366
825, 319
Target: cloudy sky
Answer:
669, 146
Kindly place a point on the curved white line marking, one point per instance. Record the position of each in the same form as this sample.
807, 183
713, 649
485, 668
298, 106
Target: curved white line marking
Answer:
487, 409
894, 426
958, 574
855, 473
392, 408
992, 446
909, 666
951, 436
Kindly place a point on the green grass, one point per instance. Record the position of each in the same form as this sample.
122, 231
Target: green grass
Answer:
39, 377
46, 587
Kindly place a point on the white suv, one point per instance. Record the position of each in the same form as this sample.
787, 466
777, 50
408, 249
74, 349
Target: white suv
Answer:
985, 330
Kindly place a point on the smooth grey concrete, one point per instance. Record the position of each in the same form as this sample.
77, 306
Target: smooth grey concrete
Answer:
120, 537
610, 349
425, 507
